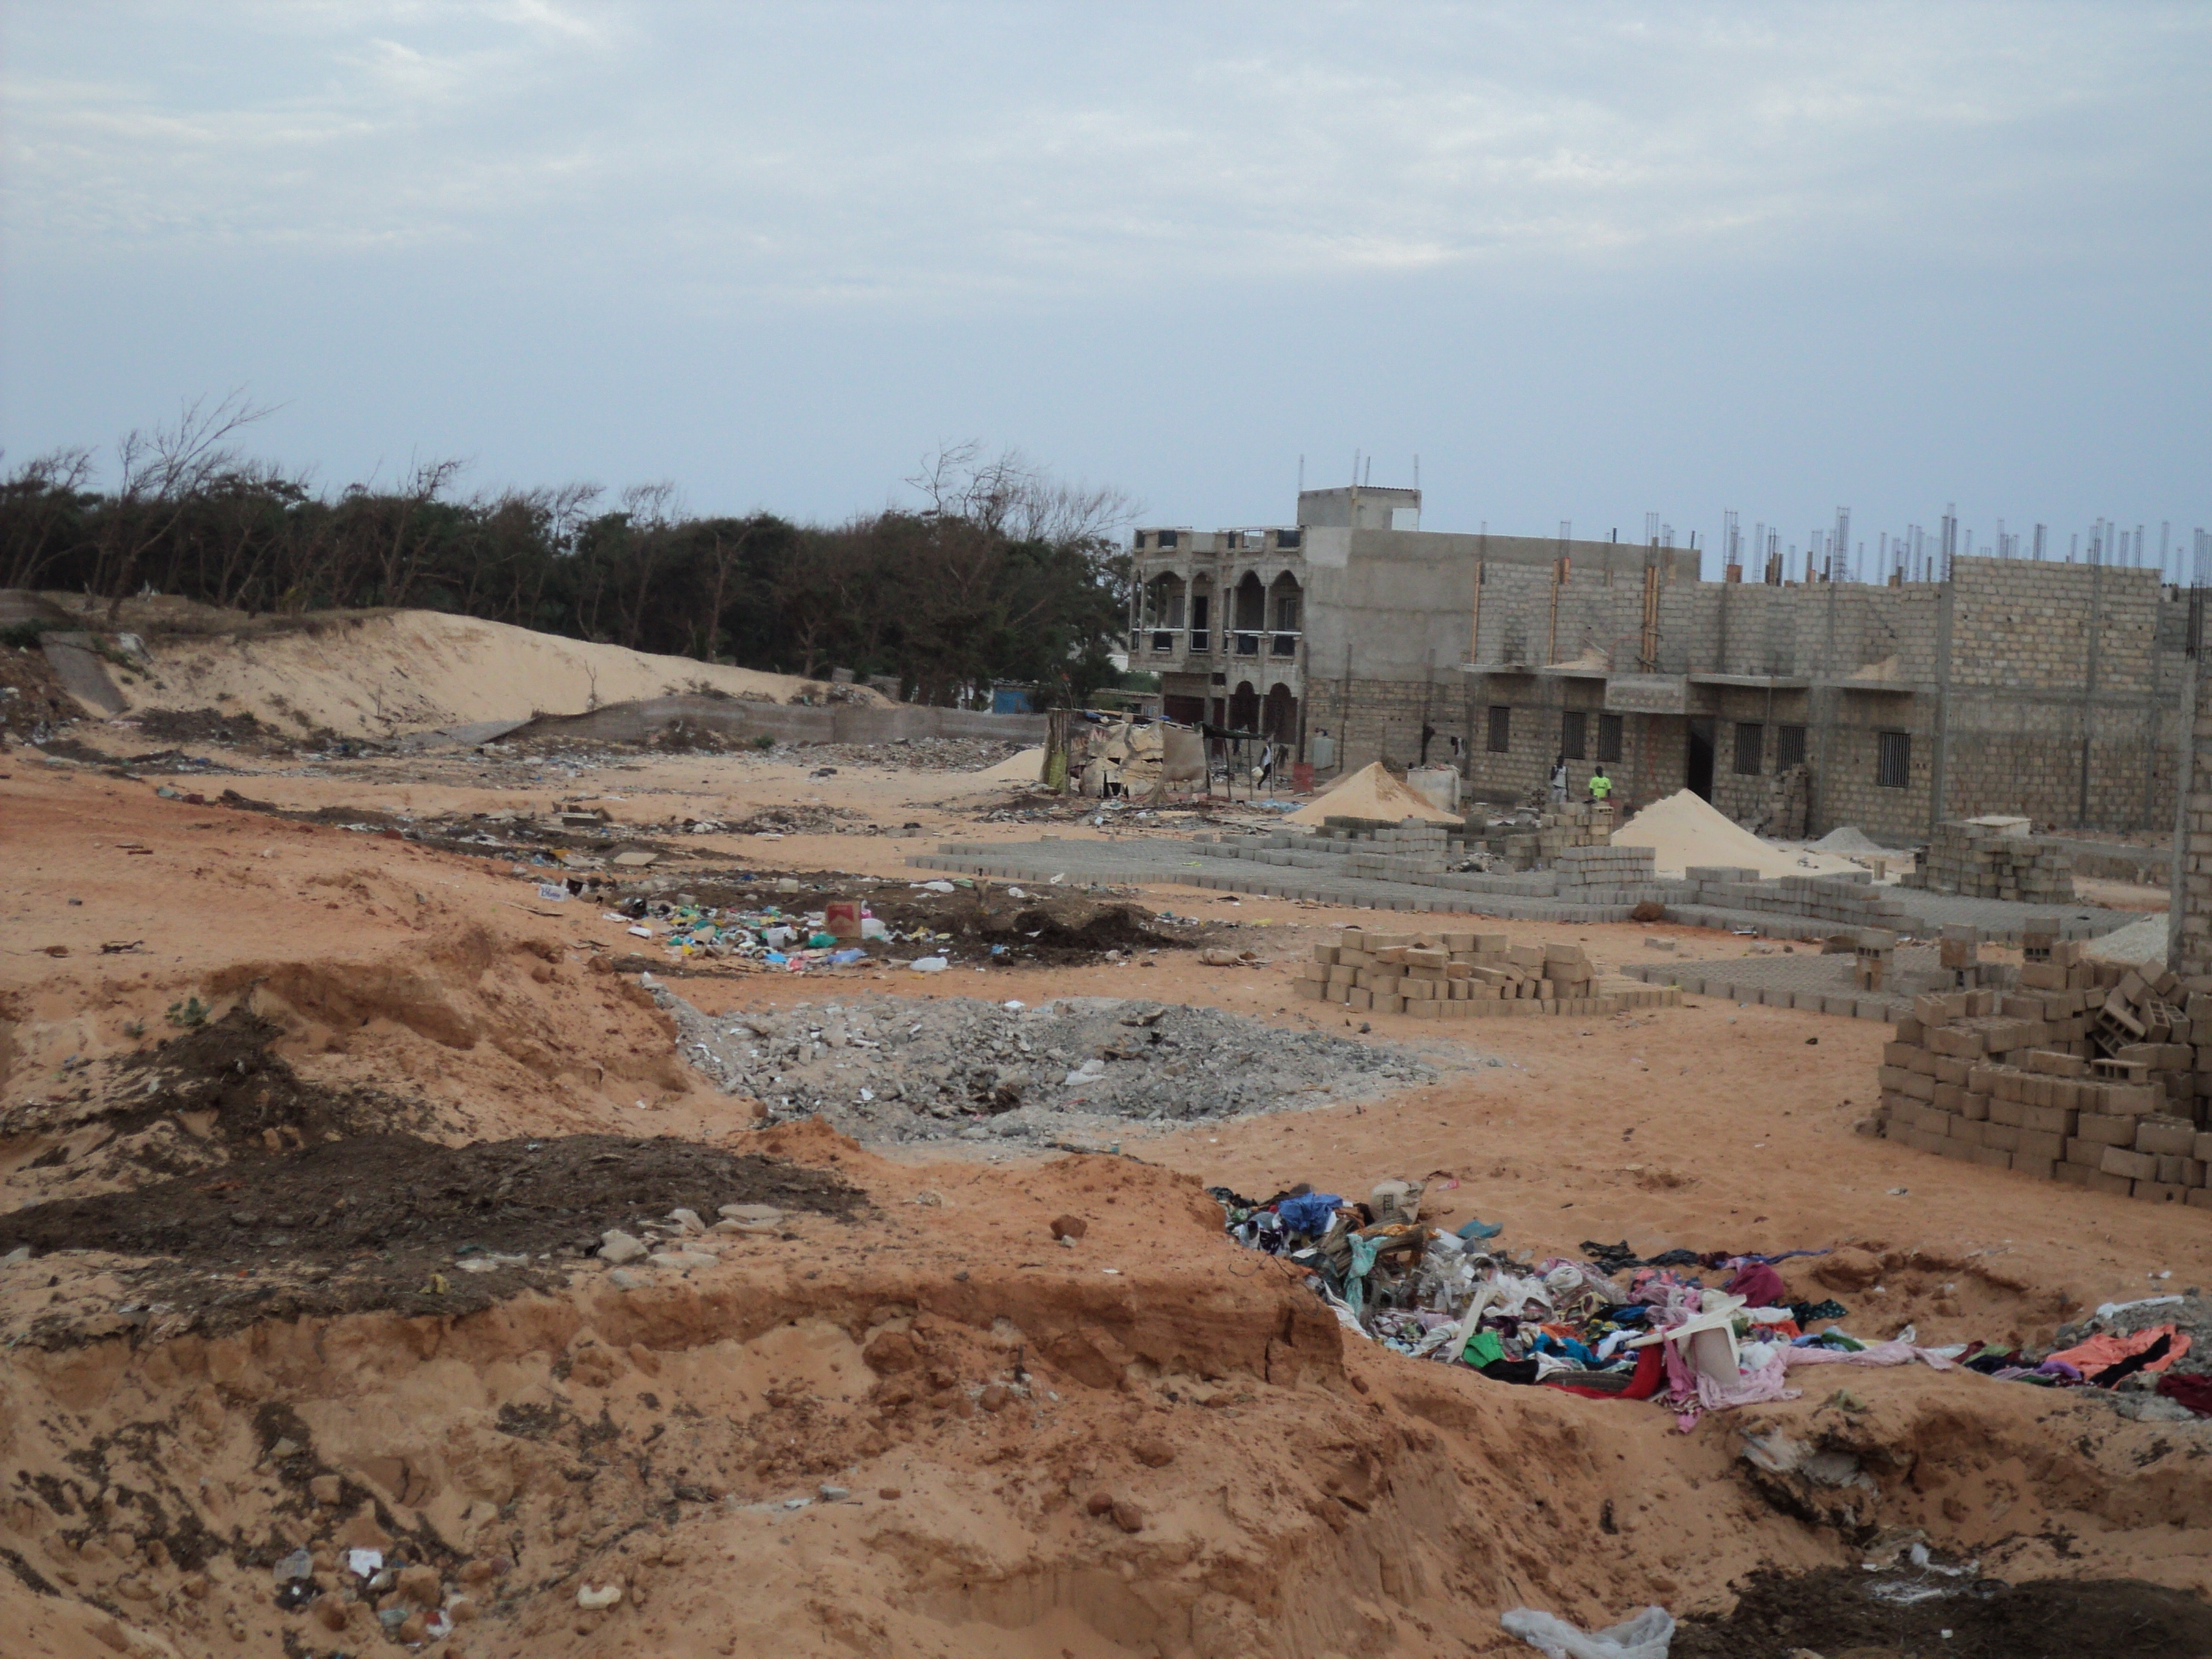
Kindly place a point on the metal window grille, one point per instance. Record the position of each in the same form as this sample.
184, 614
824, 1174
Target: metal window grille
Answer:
1788, 747
1893, 760
1608, 737
1501, 728
1750, 747
1574, 734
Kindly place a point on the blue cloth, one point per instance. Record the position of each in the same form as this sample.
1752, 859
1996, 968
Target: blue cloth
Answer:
1308, 1212
1479, 1229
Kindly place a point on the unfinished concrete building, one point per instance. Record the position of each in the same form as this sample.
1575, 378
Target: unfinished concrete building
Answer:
2048, 690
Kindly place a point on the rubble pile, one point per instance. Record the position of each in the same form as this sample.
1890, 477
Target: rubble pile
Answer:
2088, 1074
887, 1069
1455, 976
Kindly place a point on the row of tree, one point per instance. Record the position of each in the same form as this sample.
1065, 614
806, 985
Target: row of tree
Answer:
998, 572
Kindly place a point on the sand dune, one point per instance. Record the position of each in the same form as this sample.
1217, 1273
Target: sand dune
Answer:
380, 674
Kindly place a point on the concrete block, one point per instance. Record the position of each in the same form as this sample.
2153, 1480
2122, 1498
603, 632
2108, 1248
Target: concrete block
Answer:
2176, 1137
2135, 1166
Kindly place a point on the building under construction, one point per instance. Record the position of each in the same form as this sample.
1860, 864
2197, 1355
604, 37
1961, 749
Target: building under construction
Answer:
2054, 691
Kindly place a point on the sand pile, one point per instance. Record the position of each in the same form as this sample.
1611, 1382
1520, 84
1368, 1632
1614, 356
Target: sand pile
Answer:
1027, 767
378, 674
1372, 793
1683, 831
1849, 841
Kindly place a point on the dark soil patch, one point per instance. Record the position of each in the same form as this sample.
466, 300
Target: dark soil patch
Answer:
207, 726
1837, 1613
985, 923
800, 821
384, 1221
192, 1101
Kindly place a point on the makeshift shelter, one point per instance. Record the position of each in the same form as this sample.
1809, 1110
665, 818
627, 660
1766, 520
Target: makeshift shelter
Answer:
1372, 793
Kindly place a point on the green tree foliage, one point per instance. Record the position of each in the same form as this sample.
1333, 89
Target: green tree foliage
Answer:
1001, 572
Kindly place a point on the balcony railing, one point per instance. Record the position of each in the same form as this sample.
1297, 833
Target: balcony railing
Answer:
1162, 640
1201, 641
1247, 645
1285, 645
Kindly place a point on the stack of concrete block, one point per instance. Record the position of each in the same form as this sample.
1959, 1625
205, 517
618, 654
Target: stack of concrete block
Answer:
1605, 866
1608, 875
1992, 859
1851, 901
1407, 852
1789, 804
1875, 952
2032, 1083
1465, 975
1559, 829
1573, 823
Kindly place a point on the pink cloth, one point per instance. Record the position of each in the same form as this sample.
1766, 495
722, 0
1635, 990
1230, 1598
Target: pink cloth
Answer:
1878, 1354
1760, 1286
1690, 1391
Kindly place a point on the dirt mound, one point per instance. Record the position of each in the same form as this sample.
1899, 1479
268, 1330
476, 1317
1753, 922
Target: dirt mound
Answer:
391, 1221
187, 1103
1845, 1614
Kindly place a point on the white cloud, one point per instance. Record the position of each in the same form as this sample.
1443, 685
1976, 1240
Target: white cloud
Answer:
835, 150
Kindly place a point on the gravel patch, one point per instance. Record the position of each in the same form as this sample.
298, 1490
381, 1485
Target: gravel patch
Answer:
885, 1069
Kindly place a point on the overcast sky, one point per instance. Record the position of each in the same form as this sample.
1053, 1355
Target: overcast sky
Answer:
1586, 261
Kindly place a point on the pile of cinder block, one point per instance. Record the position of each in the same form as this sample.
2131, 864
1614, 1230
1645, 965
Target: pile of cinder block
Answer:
2086, 1074
1992, 858
1848, 899
1455, 976
1568, 824
1604, 866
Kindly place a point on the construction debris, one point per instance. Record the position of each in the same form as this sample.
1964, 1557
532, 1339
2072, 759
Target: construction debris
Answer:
885, 1069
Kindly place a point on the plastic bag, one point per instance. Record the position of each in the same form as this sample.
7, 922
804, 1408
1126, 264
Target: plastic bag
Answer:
1647, 1636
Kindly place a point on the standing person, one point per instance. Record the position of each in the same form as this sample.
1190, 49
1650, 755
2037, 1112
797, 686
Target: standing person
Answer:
1559, 780
1601, 787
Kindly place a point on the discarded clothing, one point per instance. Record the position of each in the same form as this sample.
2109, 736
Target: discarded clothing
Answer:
1647, 1636
1806, 1312
1760, 1285
1640, 1384
1611, 1258
1876, 1353
2103, 1353
1308, 1212
2193, 1390
1618, 1258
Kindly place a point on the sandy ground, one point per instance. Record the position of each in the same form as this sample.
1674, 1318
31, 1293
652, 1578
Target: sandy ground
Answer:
1281, 1488
375, 674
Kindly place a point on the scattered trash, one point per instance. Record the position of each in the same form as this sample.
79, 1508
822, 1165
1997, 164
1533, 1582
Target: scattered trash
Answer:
592, 1597
929, 964
552, 891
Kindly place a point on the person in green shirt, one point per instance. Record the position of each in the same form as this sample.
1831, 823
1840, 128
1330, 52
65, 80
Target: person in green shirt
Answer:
1601, 787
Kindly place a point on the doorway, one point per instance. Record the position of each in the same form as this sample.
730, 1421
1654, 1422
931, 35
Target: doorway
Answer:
1698, 769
